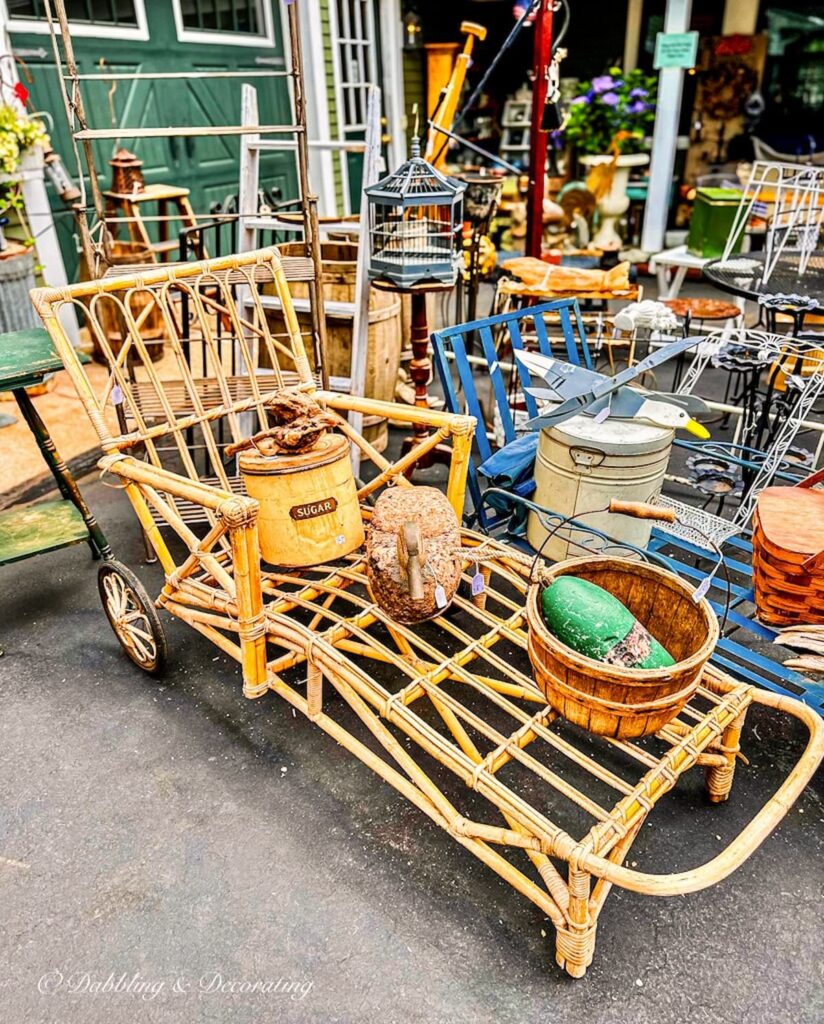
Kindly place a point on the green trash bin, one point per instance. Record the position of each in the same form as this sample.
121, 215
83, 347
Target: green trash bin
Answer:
713, 216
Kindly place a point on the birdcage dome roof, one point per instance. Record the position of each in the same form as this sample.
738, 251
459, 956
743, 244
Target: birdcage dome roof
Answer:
416, 181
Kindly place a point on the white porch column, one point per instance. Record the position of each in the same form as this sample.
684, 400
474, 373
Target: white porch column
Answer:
632, 36
392, 79
667, 116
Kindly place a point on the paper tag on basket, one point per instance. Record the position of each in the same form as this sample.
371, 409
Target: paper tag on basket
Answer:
117, 395
705, 584
478, 585
440, 597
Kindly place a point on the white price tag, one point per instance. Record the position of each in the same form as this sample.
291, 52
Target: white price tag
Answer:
440, 596
478, 585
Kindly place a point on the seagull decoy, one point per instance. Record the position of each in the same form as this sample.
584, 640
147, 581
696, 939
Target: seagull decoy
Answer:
579, 390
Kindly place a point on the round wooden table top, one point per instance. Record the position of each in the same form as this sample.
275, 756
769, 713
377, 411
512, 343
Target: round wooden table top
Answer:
421, 287
703, 309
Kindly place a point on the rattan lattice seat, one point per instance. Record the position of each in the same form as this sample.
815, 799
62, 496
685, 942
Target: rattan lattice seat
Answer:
209, 391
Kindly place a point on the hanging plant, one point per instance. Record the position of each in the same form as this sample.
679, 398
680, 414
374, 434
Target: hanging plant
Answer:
19, 134
614, 104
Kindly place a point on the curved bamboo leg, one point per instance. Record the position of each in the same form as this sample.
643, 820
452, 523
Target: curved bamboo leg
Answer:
240, 515
718, 780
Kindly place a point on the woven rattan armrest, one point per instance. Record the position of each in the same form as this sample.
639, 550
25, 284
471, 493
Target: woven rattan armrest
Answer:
214, 498
452, 423
460, 429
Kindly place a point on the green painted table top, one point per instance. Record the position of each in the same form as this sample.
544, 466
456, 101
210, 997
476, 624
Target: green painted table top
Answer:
32, 529
26, 357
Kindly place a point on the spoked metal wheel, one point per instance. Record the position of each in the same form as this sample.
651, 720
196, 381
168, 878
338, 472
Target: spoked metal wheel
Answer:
132, 616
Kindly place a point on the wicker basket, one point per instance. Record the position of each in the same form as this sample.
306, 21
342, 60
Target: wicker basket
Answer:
788, 554
624, 703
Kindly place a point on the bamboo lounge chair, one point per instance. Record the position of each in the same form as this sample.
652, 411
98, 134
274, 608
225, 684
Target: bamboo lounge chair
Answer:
488, 761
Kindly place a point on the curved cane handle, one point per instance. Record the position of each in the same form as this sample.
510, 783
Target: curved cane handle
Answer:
412, 557
749, 839
642, 510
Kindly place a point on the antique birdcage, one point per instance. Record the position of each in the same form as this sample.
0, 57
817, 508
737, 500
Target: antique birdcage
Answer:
415, 222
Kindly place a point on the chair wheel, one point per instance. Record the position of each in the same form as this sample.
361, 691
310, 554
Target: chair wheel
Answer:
132, 616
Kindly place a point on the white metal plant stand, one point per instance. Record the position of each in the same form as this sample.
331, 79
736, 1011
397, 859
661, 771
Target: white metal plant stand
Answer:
793, 195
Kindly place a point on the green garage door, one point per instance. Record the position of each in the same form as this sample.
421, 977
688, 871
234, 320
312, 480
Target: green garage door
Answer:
161, 36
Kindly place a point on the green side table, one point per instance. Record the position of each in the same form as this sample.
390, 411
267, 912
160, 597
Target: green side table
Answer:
26, 357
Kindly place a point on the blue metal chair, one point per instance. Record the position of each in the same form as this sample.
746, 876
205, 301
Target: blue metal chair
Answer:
494, 513
449, 348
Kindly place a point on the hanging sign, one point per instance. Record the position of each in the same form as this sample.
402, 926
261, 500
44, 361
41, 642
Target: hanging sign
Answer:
675, 50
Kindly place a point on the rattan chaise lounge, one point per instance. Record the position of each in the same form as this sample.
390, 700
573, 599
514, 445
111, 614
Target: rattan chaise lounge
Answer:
446, 712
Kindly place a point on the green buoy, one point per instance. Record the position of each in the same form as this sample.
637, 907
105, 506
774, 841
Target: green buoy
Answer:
592, 622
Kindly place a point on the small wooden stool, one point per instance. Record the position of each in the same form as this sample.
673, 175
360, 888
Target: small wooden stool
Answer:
130, 205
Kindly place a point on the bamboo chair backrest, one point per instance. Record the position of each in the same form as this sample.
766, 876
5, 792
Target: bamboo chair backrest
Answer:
221, 362
500, 336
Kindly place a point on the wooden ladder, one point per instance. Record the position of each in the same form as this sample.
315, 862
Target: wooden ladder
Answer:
96, 253
252, 222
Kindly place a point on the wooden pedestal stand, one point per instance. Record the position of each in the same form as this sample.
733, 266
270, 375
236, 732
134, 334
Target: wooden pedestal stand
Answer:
420, 368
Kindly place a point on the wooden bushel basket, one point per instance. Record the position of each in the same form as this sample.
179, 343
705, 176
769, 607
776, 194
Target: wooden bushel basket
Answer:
624, 703
788, 553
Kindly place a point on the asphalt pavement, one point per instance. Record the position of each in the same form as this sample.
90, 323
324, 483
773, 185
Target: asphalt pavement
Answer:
170, 851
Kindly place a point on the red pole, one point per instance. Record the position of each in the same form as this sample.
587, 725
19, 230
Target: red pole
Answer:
541, 56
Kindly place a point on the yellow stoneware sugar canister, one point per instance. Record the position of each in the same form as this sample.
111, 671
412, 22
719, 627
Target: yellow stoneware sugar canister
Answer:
309, 510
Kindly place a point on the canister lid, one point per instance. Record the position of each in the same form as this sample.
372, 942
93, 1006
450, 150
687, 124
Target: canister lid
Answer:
720, 196
330, 448
613, 436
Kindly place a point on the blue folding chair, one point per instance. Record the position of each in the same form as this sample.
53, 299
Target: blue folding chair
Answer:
450, 350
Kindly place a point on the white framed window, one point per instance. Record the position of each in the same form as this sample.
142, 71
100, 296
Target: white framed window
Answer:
225, 22
356, 63
102, 19
354, 60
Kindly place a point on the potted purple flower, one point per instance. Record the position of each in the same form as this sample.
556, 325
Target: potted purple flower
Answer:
607, 124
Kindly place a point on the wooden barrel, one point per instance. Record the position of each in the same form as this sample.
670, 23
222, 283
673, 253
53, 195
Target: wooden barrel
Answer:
624, 703
384, 336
